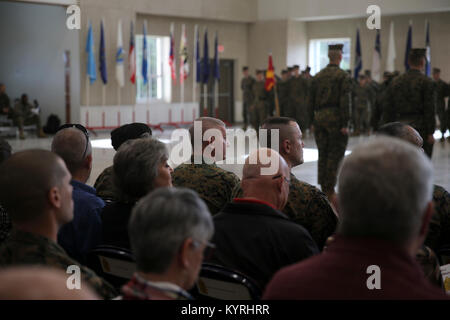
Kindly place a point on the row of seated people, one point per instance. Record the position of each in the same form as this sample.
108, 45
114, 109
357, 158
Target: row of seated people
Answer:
168, 229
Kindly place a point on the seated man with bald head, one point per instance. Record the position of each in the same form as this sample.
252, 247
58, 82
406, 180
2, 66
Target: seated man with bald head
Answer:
213, 184
252, 235
35, 189
83, 233
385, 205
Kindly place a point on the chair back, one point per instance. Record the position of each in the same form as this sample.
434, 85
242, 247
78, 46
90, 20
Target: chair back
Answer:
220, 283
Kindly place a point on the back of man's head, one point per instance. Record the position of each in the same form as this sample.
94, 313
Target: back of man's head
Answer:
25, 182
70, 144
214, 127
385, 188
401, 131
128, 132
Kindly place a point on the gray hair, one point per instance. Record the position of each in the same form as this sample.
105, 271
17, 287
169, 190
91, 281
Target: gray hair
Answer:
385, 186
161, 221
136, 166
70, 144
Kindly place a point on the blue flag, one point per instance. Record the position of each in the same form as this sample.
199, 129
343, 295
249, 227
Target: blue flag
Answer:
198, 60
216, 59
103, 72
144, 56
358, 57
205, 68
408, 47
91, 68
428, 57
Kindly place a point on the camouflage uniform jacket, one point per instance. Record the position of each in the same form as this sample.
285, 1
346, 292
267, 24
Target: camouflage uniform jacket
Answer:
439, 228
213, 184
308, 207
378, 111
362, 96
105, 186
410, 99
260, 94
24, 248
283, 92
330, 92
441, 91
298, 91
247, 89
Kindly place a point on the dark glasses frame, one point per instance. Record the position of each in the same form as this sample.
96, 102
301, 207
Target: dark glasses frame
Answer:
82, 129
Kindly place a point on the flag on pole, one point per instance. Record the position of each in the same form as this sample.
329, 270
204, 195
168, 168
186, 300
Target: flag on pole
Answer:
205, 68
91, 68
198, 60
172, 54
120, 77
376, 59
427, 46
408, 45
132, 56
270, 75
102, 56
144, 55
391, 54
216, 59
358, 57
184, 57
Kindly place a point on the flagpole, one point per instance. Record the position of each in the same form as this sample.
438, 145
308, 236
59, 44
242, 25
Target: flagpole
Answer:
277, 105
205, 91
182, 66
194, 65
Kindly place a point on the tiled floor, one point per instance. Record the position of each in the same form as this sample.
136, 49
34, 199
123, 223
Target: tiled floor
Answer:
103, 155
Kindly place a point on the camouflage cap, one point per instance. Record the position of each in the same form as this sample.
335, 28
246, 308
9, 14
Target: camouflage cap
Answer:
337, 46
245, 68
296, 67
436, 70
259, 71
418, 52
387, 74
308, 69
289, 69
284, 71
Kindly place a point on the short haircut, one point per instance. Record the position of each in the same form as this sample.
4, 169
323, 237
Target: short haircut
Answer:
279, 123
25, 181
5, 150
415, 59
162, 221
394, 129
136, 165
384, 186
244, 68
129, 131
70, 144
207, 123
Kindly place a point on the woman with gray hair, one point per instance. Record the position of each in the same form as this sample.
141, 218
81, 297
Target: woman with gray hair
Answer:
140, 166
169, 232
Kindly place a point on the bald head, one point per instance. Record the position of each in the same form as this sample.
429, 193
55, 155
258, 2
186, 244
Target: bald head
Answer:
401, 131
39, 283
265, 176
25, 181
70, 144
209, 133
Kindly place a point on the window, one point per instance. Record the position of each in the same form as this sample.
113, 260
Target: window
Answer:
318, 53
158, 86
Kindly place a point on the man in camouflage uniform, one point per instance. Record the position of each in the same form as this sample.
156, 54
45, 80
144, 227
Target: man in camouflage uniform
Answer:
35, 190
329, 105
441, 91
258, 110
306, 205
213, 184
298, 94
23, 114
247, 95
410, 100
362, 102
283, 92
378, 111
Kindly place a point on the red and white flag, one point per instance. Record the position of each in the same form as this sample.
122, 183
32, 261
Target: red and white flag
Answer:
184, 57
132, 56
172, 62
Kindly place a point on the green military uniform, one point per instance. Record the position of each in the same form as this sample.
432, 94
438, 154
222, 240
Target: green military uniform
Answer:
258, 111
105, 187
410, 100
24, 248
308, 207
22, 115
283, 97
441, 91
213, 184
378, 111
298, 94
329, 113
247, 97
362, 99
439, 229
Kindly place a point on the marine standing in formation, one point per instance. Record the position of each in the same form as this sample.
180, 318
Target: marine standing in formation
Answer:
298, 93
258, 110
247, 95
441, 91
329, 105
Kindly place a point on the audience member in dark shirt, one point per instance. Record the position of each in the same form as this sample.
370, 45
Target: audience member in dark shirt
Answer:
83, 233
140, 166
252, 235
385, 205
5, 219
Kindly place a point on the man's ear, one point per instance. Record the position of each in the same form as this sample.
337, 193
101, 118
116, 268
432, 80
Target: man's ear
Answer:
185, 253
54, 197
88, 162
429, 211
286, 146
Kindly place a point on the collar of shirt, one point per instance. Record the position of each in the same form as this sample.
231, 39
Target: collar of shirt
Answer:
332, 65
84, 187
170, 289
250, 200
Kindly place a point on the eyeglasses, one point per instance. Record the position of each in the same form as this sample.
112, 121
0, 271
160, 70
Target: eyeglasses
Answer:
281, 176
82, 129
209, 248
